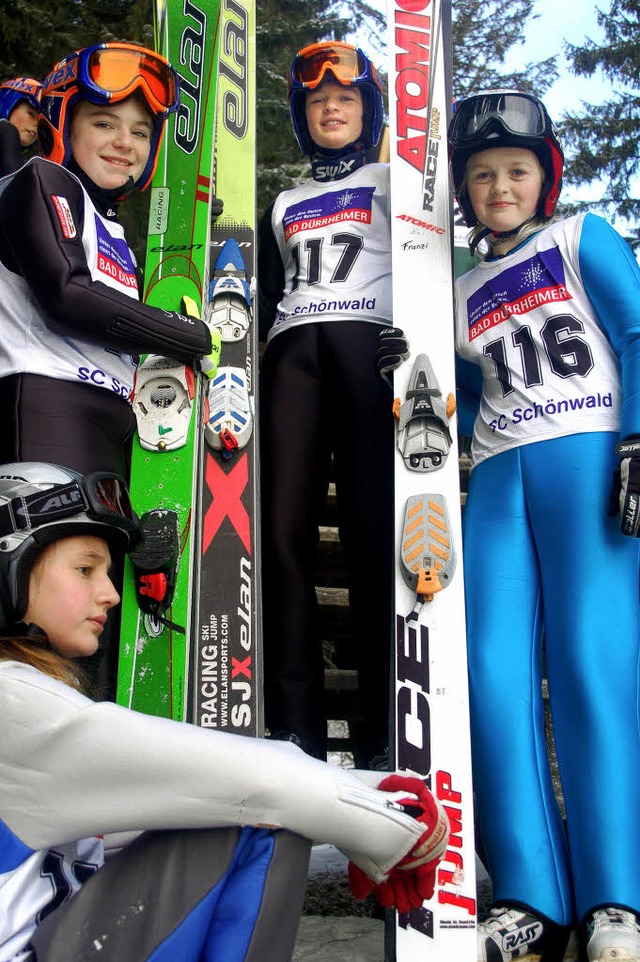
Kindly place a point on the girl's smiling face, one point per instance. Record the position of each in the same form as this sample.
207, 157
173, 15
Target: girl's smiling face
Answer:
111, 143
504, 185
70, 593
334, 115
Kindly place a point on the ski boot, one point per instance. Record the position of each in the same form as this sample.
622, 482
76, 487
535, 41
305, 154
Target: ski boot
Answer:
613, 935
516, 935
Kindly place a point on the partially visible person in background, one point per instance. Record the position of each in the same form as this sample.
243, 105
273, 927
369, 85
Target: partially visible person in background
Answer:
19, 113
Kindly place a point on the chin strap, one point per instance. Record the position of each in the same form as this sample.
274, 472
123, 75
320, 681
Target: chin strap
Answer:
500, 235
476, 240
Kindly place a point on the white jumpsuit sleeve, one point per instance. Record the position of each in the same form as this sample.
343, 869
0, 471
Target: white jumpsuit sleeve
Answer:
71, 768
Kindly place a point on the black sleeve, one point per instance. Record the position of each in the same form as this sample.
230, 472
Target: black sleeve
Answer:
270, 274
52, 261
11, 157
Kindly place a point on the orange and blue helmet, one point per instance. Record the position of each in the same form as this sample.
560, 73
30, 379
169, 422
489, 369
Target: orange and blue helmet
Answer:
13, 92
106, 74
504, 118
348, 66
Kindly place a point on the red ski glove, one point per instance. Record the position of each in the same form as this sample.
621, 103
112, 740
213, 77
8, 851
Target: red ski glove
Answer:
413, 879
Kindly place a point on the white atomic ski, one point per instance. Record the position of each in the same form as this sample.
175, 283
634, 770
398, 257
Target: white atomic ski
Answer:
431, 691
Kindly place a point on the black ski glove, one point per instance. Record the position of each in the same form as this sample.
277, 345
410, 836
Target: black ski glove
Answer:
393, 349
625, 490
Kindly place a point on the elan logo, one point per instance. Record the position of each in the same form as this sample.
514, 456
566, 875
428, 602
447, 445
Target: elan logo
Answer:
192, 57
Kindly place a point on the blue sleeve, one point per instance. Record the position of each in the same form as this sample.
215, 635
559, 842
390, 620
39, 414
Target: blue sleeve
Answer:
611, 279
468, 391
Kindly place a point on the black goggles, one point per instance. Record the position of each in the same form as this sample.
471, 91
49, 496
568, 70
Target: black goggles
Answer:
516, 113
102, 496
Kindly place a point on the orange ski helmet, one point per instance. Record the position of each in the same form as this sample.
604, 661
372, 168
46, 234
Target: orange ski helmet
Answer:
106, 74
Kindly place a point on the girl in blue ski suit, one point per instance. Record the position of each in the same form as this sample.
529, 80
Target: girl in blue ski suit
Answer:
549, 322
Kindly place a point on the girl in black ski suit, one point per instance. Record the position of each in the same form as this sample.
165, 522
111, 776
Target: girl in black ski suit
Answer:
71, 323
325, 296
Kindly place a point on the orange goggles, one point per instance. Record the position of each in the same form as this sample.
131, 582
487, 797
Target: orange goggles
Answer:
345, 62
114, 71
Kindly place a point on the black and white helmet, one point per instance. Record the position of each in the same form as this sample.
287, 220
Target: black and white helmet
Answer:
42, 503
504, 118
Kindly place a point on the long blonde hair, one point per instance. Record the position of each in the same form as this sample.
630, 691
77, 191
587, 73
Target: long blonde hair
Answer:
35, 650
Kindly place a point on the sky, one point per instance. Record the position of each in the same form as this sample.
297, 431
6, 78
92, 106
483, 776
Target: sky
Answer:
559, 21
573, 21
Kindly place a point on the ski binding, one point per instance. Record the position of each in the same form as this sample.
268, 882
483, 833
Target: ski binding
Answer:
230, 293
162, 401
155, 561
230, 420
428, 553
424, 438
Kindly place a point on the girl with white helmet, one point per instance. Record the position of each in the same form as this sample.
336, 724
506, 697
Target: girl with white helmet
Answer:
75, 771
548, 323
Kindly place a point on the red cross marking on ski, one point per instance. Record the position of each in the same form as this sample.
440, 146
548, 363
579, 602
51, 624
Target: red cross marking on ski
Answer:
241, 667
226, 490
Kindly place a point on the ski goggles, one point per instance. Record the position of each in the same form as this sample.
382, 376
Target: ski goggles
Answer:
517, 113
113, 71
103, 497
118, 70
346, 63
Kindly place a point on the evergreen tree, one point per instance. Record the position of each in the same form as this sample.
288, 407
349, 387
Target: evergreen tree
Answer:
284, 27
602, 139
35, 34
484, 32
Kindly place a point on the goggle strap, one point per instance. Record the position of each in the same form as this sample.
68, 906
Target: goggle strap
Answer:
42, 507
66, 500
